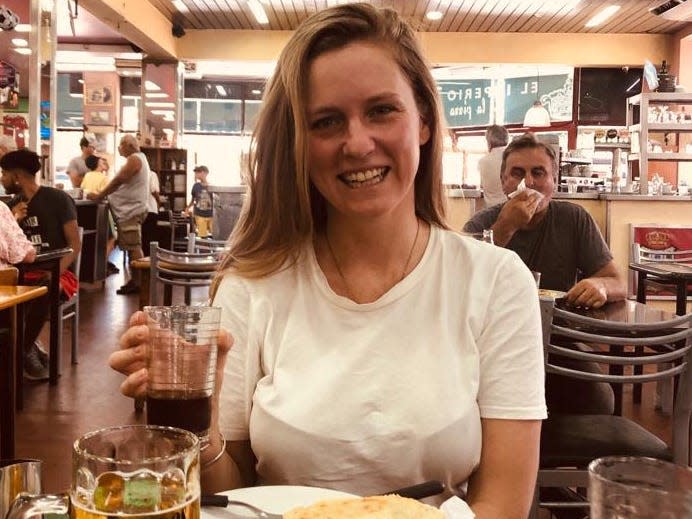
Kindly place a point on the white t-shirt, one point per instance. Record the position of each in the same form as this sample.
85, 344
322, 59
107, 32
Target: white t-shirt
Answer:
489, 169
365, 398
154, 187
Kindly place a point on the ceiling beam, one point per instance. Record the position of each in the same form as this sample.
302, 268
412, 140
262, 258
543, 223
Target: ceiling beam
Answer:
138, 21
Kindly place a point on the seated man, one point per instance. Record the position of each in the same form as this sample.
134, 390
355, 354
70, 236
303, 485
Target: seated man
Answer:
558, 239
48, 217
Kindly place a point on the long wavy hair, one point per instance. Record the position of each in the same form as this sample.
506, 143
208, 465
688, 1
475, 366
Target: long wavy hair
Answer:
282, 208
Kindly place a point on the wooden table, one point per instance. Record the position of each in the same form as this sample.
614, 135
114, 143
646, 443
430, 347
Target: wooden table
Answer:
622, 312
50, 261
678, 274
11, 361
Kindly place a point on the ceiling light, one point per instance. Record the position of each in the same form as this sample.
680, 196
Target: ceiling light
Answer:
221, 90
159, 104
150, 85
84, 67
155, 94
22, 50
602, 16
162, 112
19, 42
433, 15
22, 27
256, 91
180, 6
258, 12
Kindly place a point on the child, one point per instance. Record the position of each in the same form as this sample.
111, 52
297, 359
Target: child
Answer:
202, 202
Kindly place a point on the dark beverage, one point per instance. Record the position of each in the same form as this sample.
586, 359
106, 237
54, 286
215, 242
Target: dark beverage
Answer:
174, 410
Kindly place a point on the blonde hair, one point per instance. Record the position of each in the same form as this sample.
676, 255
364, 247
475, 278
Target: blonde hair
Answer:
283, 209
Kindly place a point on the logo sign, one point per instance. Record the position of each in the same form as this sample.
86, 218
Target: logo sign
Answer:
466, 102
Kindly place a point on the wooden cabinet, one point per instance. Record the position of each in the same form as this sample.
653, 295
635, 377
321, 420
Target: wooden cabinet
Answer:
171, 166
662, 133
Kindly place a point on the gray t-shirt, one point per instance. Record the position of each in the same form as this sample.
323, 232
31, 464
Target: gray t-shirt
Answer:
78, 165
566, 244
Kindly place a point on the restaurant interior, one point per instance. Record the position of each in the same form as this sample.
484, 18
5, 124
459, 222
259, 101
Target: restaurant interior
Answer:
187, 78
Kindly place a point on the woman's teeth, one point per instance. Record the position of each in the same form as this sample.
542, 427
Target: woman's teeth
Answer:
364, 178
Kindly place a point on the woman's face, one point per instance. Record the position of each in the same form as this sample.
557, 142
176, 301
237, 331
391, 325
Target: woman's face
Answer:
364, 131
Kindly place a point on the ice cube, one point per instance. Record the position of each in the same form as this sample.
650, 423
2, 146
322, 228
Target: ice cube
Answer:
172, 488
141, 493
108, 494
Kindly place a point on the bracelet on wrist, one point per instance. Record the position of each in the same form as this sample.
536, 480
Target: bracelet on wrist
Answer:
218, 456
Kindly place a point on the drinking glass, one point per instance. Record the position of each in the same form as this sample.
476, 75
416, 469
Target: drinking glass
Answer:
17, 477
486, 235
181, 365
536, 278
635, 487
131, 471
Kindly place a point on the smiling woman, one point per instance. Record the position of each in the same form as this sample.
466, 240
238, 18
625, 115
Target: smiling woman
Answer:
341, 269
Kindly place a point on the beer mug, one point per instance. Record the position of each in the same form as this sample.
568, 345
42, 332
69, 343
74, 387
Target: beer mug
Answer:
17, 477
145, 471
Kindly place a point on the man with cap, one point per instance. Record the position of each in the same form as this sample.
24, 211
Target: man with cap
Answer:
202, 203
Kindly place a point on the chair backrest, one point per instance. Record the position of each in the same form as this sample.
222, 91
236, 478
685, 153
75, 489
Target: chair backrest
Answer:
641, 254
9, 275
186, 269
666, 350
77, 264
206, 245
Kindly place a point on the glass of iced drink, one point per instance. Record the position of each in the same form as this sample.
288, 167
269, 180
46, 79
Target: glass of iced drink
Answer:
181, 364
134, 470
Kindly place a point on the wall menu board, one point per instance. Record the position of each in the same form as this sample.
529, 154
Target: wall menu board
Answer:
555, 92
466, 102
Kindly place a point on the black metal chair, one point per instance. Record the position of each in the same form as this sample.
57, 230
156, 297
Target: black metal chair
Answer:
185, 269
569, 442
70, 309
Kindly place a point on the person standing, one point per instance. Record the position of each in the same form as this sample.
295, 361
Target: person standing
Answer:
497, 138
201, 202
77, 168
48, 217
127, 194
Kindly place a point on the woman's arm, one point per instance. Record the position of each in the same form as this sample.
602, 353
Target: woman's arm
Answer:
235, 468
504, 482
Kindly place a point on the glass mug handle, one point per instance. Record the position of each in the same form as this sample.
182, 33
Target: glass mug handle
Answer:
27, 505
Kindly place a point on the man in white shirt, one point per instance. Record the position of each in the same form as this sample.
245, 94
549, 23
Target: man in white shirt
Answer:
497, 138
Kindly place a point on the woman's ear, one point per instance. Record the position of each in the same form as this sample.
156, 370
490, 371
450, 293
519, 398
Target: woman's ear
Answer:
424, 131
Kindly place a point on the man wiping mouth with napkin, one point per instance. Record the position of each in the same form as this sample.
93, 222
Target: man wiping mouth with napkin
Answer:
561, 241
558, 239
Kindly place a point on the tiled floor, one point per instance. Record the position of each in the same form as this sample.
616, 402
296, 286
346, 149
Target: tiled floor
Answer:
87, 396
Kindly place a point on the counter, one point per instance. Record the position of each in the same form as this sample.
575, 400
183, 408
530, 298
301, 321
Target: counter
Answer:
462, 204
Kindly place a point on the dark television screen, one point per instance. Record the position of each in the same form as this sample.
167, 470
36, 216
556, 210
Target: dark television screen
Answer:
603, 94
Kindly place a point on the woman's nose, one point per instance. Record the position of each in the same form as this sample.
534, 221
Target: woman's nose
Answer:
358, 141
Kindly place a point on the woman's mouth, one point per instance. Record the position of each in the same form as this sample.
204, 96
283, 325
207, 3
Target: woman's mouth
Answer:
366, 177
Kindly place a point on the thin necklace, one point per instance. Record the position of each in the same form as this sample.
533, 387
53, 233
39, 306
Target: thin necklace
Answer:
341, 273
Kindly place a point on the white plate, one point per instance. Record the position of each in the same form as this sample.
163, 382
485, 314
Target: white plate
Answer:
274, 499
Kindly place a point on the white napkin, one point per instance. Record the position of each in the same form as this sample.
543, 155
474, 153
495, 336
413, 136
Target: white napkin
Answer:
456, 508
519, 189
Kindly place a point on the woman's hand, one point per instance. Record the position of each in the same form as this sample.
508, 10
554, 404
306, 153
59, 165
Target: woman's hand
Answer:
131, 357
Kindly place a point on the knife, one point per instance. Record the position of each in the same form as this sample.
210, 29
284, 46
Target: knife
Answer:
419, 491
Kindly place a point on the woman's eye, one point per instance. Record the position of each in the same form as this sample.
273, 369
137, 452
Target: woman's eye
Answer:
382, 110
324, 123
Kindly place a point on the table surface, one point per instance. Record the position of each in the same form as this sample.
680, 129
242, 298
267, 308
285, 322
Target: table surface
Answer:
629, 312
50, 255
668, 269
17, 294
